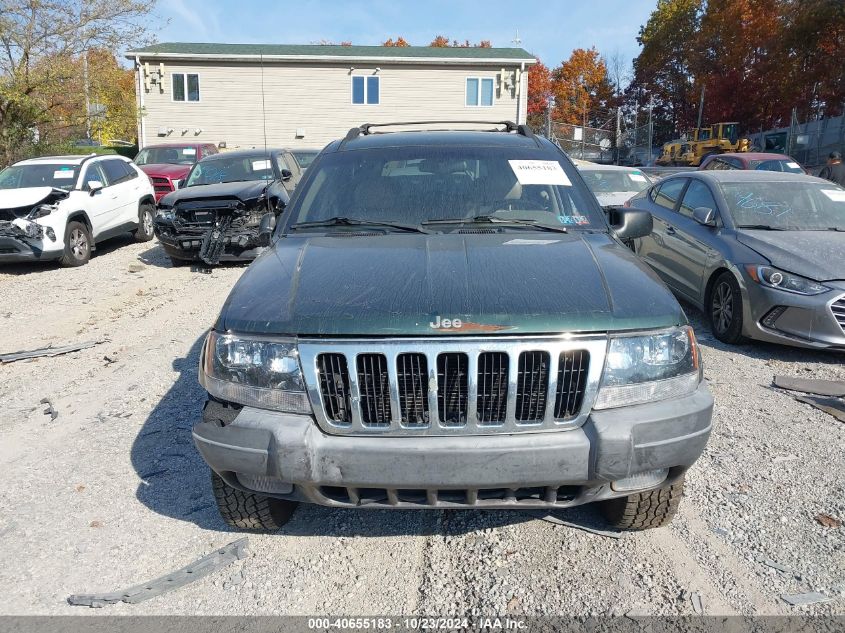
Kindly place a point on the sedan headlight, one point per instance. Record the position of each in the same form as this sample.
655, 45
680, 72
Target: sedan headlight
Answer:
774, 278
165, 214
254, 372
649, 367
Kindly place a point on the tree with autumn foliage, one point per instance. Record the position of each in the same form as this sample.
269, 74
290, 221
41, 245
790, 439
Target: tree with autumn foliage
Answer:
581, 88
539, 91
441, 41
400, 42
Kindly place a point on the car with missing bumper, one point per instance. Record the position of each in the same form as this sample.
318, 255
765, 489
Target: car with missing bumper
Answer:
759, 252
445, 319
216, 216
60, 207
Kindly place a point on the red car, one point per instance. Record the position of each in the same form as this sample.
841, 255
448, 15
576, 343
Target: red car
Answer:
167, 163
761, 161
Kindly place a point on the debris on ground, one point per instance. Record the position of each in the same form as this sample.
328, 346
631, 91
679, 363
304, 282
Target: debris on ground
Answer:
828, 521
800, 599
179, 578
50, 410
697, 606
46, 351
135, 267
579, 526
831, 406
774, 565
808, 385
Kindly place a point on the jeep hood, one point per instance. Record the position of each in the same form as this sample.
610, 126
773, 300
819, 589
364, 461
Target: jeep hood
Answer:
168, 170
519, 282
29, 196
246, 192
816, 255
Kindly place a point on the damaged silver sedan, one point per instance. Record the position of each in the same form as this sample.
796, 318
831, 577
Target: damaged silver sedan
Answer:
217, 215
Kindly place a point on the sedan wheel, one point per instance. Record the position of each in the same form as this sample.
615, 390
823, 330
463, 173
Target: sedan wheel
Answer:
725, 309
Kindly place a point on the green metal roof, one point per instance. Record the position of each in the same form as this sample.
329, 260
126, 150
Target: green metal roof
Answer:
185, 49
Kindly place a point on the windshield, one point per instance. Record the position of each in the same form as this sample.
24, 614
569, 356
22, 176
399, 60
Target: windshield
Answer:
800, 206
611, 180
413, 185
39, 175
176, 155
304, 158
231, 169
786, 165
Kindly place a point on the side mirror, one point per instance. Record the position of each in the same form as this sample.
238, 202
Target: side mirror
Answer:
178, 184
94, 186
265, 229
629, 224
287, 174
704, 215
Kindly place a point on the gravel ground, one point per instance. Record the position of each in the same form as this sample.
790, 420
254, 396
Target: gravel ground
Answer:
112, 492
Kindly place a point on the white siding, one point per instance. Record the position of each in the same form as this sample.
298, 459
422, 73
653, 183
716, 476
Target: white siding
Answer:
316, 97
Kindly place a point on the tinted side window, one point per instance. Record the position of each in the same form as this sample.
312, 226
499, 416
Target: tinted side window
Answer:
116, 171
735, 163
697, 195
93, 172
669, 192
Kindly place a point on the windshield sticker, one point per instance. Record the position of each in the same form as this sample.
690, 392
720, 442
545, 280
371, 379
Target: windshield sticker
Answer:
539, 172
793, 165
189, 151
837, 195
523, 242
573, 219
63, 173
759, 205
258, 165
637, 177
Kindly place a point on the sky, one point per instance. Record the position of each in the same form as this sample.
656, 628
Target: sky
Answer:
550, 30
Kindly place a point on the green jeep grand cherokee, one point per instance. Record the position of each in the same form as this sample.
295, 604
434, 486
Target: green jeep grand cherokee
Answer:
445, 319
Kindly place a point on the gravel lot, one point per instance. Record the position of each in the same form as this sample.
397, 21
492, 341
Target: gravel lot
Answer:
112, 492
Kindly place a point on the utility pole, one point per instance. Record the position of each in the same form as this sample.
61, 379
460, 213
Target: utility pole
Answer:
650, 126
87, 94
618, 132
701, 107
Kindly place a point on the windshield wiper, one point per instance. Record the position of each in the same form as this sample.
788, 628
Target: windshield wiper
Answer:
490, 219
761, 227
342, 221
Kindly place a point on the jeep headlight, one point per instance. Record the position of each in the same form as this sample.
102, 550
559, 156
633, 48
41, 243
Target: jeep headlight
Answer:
774, 278
165, 214
649, 367
255, 372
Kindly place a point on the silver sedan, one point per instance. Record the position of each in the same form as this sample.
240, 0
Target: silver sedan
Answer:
761, 254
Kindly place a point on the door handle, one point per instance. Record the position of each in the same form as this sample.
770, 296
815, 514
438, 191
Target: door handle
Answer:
670, 230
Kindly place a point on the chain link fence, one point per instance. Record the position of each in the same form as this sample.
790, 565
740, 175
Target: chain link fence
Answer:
808, 143
627, 146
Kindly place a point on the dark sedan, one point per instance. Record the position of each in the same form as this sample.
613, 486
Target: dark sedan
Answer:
216, 215
760, 253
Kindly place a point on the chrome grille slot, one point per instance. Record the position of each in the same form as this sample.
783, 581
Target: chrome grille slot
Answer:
532, 386
838, 309
452, 385
374, 388
492, 381
334, 386
571, 383
452, 388
412, 382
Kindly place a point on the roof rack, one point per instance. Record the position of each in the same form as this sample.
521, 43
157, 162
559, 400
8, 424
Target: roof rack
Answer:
509, 126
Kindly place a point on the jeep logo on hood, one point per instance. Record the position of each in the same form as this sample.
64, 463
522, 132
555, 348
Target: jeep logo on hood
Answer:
457, 325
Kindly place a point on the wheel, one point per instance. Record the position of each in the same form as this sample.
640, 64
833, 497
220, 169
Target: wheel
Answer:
724, 309
77, 245
644, 510
250, 511
145, 232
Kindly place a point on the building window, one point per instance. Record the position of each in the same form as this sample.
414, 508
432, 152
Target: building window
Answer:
186, 86
479, 91
365, 90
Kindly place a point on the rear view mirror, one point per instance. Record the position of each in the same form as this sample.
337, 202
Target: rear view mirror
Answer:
94, 186
265, 229
629, 224
287, 174
704, 215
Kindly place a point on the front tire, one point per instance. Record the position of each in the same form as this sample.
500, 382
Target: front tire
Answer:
724, 309
250, 511
77, 245
145, 231
644, 510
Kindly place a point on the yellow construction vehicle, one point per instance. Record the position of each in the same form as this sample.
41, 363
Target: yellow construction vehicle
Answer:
714, 139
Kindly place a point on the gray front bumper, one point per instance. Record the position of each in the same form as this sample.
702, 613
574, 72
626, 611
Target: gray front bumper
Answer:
294, 459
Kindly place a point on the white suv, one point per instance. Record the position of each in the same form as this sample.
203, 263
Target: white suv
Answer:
60, 207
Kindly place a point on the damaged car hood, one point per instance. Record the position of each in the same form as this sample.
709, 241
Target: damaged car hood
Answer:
246, 191
28, 196
816, 255
408, 284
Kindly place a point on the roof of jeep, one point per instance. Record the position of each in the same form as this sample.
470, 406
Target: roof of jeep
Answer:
463, 138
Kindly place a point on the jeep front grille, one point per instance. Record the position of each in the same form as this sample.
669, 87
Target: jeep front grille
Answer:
452, 386
838, 309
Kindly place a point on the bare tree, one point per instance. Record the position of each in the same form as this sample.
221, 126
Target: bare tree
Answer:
619, 71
